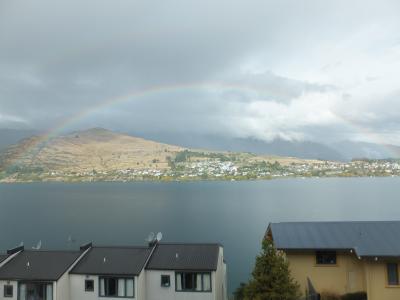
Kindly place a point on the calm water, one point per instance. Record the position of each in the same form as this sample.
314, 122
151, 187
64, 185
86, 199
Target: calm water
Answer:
233, 213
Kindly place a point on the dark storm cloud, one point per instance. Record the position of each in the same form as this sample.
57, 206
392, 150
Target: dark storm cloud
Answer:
256, 68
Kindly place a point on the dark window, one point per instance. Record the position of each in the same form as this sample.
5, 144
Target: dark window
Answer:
189, 281
326, 258
111, 287
8, 291
393, 274
193, 282
89, 285
117, 287
165, 280
32, 290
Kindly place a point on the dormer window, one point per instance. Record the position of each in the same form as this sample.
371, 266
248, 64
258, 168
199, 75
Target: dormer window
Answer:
326, 258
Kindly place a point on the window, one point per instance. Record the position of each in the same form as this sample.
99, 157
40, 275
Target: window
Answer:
326, 258
165, 280
32, 290
193, 282
89, 285
393, 274
117, 287
8, 291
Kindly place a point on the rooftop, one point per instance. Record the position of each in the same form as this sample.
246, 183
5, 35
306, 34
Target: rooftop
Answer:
374, 238
38, 265
184, 257
3, 257
113, 261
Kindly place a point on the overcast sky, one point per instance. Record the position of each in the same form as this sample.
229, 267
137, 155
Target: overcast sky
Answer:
297, 70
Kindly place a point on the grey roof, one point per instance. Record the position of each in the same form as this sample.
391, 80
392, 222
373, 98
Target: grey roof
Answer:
113, 261
379, 238
184, 257
2, 257
38, 265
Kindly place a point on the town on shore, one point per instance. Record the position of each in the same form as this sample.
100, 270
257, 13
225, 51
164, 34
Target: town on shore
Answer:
223, 167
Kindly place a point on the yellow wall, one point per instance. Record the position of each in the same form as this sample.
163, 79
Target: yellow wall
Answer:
344, 277
347, 276
378, 288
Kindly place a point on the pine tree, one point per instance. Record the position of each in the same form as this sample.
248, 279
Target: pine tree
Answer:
271, 278
239, 294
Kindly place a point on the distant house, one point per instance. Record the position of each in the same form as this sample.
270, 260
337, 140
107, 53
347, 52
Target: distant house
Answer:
158, 271
342, 257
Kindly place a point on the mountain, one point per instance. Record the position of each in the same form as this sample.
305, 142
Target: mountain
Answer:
350, 150
12, 136
300, 149
94, 149
338, 151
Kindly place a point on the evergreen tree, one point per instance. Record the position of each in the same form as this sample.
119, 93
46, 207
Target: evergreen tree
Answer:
271, 279
239, 294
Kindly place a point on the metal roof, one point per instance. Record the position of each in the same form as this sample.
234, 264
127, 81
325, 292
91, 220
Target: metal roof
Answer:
2, 257
113, 261
184, 257
38, 265
375, 238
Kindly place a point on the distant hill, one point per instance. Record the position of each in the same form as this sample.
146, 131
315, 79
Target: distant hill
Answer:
93, 149
300, 149
12, 136
339, 151
102, 155
350, 150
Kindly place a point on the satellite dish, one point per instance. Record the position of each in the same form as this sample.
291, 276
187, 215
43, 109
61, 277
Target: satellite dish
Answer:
159, 236
151, 237
38, 246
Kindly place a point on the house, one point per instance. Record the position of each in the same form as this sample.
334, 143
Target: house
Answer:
342, 257
37, 274
113, 272
157, 271
186, 271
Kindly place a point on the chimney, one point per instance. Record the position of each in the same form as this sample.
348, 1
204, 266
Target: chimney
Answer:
15, 250
84, 247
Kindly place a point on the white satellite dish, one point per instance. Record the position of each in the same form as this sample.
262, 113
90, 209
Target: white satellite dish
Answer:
38, 246
151, 237
159, 236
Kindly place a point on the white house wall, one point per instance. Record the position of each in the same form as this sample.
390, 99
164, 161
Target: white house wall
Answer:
220, 277
141, 286
77, 288
154, 290
15, 289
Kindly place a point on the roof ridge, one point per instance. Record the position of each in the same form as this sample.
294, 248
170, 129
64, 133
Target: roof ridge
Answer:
49, 250
120, 247
189, 244
336, 222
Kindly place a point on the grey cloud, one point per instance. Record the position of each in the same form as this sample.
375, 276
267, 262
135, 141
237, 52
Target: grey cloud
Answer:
59, 58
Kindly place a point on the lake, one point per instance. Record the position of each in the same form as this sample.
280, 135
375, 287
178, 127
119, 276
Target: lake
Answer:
235, 214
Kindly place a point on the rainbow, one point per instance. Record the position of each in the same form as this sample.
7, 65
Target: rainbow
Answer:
68, 123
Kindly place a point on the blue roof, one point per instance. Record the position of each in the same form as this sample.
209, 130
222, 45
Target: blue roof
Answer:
376, 238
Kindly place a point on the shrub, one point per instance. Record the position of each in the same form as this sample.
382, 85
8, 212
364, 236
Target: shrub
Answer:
355, 296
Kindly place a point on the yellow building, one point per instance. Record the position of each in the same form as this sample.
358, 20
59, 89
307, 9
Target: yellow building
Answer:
342, 257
